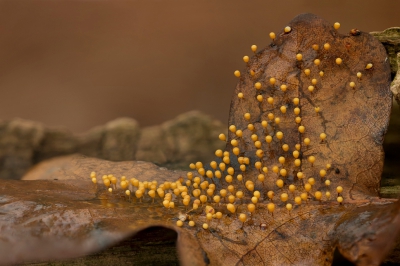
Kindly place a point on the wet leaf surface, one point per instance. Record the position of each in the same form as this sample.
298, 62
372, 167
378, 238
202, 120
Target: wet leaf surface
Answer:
72, 217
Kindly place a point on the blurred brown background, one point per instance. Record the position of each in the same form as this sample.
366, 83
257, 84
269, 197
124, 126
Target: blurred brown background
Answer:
82, 63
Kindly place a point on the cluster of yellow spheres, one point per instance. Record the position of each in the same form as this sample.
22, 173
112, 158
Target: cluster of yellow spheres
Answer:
234, 185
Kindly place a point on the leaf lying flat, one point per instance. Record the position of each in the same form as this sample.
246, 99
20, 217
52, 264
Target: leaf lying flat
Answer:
48, 220
354, 120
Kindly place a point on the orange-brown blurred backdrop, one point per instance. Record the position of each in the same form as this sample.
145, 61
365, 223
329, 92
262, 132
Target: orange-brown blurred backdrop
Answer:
83, 63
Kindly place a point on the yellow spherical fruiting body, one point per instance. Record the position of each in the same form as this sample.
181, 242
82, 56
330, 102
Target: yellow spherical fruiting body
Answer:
340, 199
369, 66
275, 169
311, 159
297, 147
246, 58
338, 61
283, 87
352, 84
209, 174
322, 136
279, 183
302, 129
285, 147
307, 187
231, 171
231, 207
283, 172
287, 29
257, 85
260, 153
247, 116
254, 200
192, 166
237, 73
307, 71
292, 188
296, 101
289, 206
271, 207
259, 98
191, 223
322, 173
179, 223
251, 207
199, 165
336, 25
318, 195
339, 189
296, 154
299, 57
297, 120
315, 47
217, 199
222, 137
327, 182
253, 48
281, 159
327, 46
272, 35
359, 75
311, 181
236, 151
218, 153
271, 116
283, 109
232, 128
268, 139
264, 124
279, 135
270, 194
314, 81
297, 162
317, 62
327, 194
217, 174
242, 217
205, 226
284, 197
296, 110
265, 169
310, 88
240, 95
321, 74
297, 200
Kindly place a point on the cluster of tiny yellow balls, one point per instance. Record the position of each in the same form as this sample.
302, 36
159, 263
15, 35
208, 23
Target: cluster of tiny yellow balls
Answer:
200, 192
